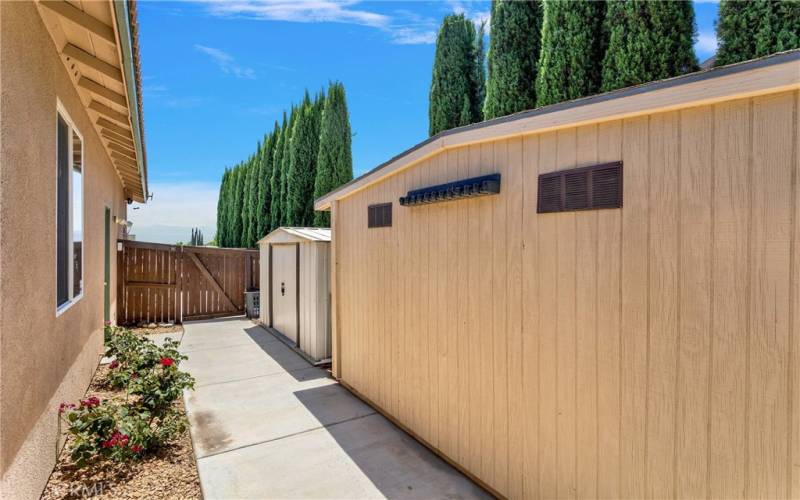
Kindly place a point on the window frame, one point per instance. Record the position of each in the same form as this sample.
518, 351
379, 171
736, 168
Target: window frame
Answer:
72, 129
376, 207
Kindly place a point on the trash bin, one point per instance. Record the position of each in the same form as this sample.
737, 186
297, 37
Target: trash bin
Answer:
252, 303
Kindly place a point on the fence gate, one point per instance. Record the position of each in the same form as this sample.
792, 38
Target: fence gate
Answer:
169, 283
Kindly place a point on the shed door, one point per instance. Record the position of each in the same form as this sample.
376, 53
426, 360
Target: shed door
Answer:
284, 289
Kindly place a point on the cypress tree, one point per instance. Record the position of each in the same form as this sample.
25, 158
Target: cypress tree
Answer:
453, 98
572, 51
747, 30
221, 209
303, 164
647, 41
514, 47
335, 158
286, 219
480, 72
248, 204
264, 183
237, 205
276, 179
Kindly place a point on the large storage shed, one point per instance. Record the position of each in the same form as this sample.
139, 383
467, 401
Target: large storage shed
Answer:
295, 297
621, 320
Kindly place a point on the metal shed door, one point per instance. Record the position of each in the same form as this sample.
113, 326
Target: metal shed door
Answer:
284, 289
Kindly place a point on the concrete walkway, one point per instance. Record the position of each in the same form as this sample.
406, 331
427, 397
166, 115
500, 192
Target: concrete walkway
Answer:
266, 424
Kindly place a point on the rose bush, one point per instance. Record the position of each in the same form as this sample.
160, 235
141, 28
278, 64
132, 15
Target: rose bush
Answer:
147, 418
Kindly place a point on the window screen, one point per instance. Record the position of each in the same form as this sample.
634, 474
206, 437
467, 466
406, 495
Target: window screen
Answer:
598, 186
62, 214
69, 212
379, 215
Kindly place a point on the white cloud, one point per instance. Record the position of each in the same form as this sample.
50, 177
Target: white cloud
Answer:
307, 11
405, 28
412, 36
706, 44
466, 8
175, 209
226, 62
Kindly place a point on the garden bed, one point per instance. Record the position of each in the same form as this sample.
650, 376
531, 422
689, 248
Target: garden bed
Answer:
169, 471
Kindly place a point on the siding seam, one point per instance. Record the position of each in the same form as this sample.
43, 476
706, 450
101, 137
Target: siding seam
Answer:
647, 309
712, 252
748, 299
679, 283
792, 267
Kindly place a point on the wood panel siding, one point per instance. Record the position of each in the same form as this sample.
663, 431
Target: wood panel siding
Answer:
643, 352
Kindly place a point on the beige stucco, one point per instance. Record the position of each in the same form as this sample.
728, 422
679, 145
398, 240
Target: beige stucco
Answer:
44, 358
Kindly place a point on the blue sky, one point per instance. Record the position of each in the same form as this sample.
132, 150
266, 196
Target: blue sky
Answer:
218, 74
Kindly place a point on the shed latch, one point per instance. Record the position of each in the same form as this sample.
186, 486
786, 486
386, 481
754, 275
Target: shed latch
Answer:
283, 288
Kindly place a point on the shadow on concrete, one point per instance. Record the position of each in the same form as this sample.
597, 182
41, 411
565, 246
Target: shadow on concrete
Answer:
396, 463
289, 360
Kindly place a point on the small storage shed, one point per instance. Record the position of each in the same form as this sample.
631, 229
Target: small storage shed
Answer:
556, 332
295, 295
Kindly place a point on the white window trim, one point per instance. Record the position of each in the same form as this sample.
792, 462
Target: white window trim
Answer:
60, 309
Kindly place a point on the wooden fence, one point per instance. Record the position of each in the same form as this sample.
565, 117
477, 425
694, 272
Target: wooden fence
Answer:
170, 283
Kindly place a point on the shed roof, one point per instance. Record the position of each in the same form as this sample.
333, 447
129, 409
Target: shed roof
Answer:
305, 233
774, 73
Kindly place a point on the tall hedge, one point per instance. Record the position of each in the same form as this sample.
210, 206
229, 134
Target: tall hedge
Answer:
249, 203
264, 183
303, 164
286, 220
647, 41
276, 178
334, 161
455, 87
747, 30
222, 205
514, 46
573, 44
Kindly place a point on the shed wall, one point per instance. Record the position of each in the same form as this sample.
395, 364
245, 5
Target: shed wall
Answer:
649, 351
315, 324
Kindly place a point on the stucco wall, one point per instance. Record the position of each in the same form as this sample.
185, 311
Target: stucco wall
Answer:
44, 359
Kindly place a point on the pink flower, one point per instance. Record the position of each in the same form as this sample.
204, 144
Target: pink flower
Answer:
90, 402
113, 364
108, 323
167, 361
64, 407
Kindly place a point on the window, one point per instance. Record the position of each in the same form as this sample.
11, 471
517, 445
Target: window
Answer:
69, 212
379, 215
598, 186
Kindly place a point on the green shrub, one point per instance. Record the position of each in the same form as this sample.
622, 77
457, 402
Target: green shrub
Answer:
147, 418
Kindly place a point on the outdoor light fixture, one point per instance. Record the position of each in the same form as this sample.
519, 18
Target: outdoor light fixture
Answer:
468, 188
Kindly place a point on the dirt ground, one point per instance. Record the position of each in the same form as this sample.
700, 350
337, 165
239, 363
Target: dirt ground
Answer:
171, 473
156, 328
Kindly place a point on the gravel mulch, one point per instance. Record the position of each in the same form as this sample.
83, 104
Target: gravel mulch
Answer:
170, 473
156, 328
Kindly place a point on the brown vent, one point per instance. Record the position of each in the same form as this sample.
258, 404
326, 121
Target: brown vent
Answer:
379, 215
585, 188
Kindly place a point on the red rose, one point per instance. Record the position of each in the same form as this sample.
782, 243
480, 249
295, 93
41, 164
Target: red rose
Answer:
113, 364
167, 361
136, 448
90, 402
64, 407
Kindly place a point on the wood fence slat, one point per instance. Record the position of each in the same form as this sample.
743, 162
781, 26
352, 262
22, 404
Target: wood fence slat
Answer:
157, 283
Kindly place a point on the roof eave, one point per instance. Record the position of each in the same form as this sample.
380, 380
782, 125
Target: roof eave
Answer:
122, 19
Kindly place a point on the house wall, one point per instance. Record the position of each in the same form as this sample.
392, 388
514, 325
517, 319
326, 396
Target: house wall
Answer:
649, 351
44, 359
